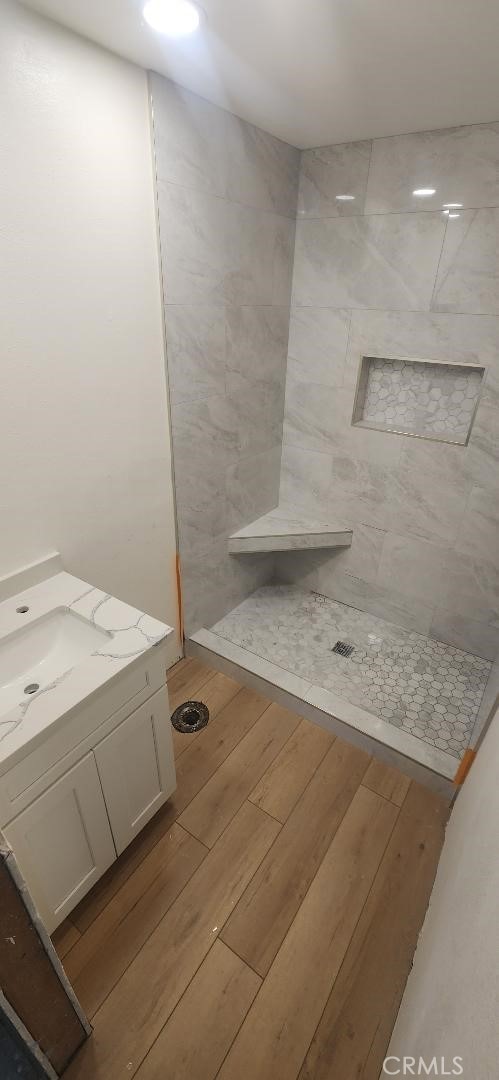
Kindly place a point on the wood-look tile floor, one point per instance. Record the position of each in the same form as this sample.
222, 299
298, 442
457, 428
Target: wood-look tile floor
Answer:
263, 924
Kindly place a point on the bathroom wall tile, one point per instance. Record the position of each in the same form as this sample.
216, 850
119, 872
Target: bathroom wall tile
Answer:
189, 137
469, 586
314, 415
262, 170
468, 275
458, 339
479, 534
318, 339
405, 611
462, 164
305, 480
426, 501
215, 251
474, 637
383, 261
482, 455
197, 254
330, 171
317, 569
257, 340
488, 703
208, 427
413, 567
361, 491
196, 351
252, 487
261, 250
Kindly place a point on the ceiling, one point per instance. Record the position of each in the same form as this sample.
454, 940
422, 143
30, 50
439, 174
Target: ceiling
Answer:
319, 71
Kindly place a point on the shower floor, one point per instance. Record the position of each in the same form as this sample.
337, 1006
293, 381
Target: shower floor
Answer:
421, 686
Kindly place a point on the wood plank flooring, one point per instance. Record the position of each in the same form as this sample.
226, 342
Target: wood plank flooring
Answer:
264, 923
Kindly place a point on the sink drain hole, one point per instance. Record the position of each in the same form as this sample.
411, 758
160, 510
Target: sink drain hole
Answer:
31, 688
190, 716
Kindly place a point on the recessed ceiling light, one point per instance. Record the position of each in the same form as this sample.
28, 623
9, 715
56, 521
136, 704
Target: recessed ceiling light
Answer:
424, 192
173, 17
453, 215
452, 205
345, 198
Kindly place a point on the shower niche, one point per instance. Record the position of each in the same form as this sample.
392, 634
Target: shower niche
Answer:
428, 399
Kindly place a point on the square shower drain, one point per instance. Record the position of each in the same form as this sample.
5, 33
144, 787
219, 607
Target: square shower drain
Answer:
343, 648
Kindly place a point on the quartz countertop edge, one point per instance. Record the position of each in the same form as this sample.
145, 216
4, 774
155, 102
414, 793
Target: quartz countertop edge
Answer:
134, 633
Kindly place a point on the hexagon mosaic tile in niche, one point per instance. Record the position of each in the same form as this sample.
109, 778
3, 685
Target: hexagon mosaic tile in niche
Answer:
418, 397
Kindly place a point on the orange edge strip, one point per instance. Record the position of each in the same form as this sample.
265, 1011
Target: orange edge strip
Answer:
465, 766
178, 576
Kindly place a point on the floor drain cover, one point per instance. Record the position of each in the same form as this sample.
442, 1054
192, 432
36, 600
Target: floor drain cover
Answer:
31, 688
343, 648
191, 716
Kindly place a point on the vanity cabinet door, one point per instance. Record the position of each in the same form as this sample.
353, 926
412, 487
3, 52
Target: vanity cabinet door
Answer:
63, 841
136, 767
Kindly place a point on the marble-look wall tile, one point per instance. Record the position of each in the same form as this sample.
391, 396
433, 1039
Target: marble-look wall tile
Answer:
257, 339
199, 145
305, 480
462, 164
330, 171
463, 633
226, 206
383, 261
251, 484
459, 339
318, 339
314, 415
468, 274
388, 604
190, 138
469, 586
479, 534
413, 567
215, 251
317, 569
196, 351
262, 171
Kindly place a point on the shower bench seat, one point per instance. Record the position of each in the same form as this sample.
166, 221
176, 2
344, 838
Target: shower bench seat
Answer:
280, 530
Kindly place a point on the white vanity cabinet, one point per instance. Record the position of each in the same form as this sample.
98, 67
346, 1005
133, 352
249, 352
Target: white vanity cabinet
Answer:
63, 842
83, 816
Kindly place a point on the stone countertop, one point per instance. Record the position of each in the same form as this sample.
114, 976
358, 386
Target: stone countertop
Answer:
132, 634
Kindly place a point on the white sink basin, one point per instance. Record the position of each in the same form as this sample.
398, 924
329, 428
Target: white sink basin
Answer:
34, 657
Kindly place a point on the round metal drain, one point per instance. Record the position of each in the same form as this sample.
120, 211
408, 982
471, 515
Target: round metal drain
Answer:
31, 688
191, 716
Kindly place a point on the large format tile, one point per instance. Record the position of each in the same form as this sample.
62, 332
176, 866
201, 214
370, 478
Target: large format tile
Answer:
462, 164
257, 339
383, 261
189, 138
215, 251
456, 338
479, 535
466, 634
330, 171
305, 479
468, 274
252, 487
195, 337
318, 569
318, 339
262, 171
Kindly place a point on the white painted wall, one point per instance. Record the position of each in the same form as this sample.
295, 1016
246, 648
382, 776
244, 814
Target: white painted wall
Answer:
451, 1001
84, 429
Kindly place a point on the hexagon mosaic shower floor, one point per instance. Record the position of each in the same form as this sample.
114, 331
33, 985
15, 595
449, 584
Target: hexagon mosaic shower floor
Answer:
415, 683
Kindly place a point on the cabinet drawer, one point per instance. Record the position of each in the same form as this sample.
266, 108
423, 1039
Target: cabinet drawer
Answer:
136, 768
63, 842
